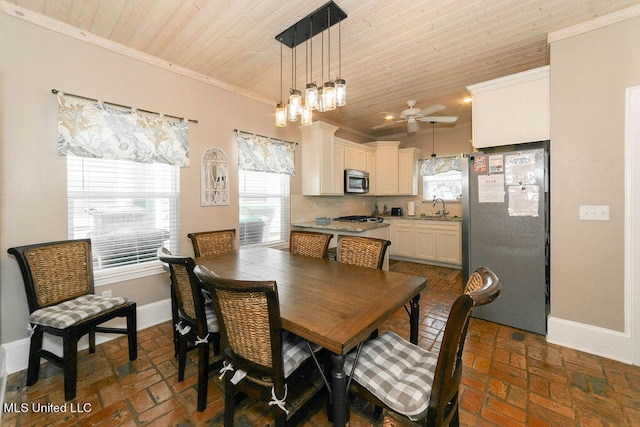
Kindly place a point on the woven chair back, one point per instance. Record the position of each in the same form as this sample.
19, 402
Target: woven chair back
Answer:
246, 318
184, 294
249, 318
60, 271
213, 242
362, 251
309, 244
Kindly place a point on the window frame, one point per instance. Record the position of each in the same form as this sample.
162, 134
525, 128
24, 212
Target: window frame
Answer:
284, 219
122, 273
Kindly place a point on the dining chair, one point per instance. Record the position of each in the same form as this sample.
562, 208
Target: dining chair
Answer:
309, 243
261, 359
362, 251
197, 322
420, 384
58, 279
205, 243
212, 242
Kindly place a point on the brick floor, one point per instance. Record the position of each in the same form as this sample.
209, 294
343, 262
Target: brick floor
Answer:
511, 378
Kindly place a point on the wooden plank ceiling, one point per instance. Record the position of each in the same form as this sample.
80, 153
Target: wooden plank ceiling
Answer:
391, 50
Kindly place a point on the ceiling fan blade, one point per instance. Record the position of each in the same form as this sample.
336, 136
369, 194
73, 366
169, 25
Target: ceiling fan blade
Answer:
432, 109
384, 125
439, 119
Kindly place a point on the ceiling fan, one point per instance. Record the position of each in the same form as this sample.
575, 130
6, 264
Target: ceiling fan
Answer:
413, 115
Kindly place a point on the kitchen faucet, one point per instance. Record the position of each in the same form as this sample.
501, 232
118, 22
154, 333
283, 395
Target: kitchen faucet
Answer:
443, 212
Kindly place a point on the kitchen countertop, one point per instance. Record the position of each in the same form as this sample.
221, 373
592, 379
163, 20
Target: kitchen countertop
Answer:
429, 218
357, 227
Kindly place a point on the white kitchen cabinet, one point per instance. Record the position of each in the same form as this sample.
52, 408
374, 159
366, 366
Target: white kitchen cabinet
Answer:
354, 157
433, 241
408, 171
511, 109
401, 236
425, 242
385, 178
322, 161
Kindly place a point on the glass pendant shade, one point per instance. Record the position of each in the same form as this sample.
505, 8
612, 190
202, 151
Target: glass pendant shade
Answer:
321, 100
329, 96
341, 92
281, 115
295, 105
307, 116
311, 96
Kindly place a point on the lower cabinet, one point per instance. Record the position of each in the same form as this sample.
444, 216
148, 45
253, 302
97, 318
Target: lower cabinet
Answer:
427, 240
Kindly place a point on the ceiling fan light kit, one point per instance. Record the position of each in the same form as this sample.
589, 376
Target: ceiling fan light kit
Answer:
333, 93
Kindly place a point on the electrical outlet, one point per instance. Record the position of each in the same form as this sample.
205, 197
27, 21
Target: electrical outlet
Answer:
107, 294
594, 213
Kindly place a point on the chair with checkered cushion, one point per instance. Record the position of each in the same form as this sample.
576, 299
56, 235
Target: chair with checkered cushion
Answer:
197, 323
261, 360
422, 385
206, 243
58, 279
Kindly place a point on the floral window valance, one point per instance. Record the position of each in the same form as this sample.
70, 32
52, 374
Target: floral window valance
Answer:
89, 128
263, 154
438, 165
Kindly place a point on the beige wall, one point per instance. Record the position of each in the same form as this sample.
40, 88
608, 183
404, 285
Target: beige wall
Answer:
589, 74
34, 60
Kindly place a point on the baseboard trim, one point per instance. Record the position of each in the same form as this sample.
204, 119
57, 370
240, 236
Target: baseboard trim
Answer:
17, 352
590, 339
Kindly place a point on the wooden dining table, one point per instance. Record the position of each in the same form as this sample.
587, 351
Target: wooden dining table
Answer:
331, 304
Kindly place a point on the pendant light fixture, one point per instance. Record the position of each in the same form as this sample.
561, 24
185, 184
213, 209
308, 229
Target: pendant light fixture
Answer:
311, 92
331, 93
329, 87
281, 111
341, 84
295, 98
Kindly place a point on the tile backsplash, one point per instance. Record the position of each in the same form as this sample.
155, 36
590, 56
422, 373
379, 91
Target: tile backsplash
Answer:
308, 208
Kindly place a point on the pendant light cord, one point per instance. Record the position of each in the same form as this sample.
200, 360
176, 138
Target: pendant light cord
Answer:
329, 45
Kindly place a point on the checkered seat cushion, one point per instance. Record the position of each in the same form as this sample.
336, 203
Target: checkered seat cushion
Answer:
399, 373
212, 320
67, 313
294, 352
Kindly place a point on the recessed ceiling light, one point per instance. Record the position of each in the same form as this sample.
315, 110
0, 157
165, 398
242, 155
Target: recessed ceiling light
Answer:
388, 117
467, 99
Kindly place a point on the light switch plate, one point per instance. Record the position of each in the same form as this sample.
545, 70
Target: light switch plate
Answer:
594, 213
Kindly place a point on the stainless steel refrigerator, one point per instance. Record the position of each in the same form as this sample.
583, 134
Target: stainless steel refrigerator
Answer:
505, 226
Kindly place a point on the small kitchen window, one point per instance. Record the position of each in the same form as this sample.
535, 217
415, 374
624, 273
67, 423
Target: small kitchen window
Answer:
441, 178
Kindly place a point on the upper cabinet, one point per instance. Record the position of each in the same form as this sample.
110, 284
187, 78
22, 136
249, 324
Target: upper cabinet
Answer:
385, 179
392, 170
322, 161
511, 109
355, 157
408, 171
396, 169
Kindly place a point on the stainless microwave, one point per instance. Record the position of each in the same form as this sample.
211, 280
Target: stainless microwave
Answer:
356, 181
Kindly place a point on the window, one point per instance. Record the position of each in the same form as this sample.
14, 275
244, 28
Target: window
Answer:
445, 185
264, 207
128, 209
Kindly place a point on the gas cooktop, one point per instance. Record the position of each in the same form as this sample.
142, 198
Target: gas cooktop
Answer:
359, 218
